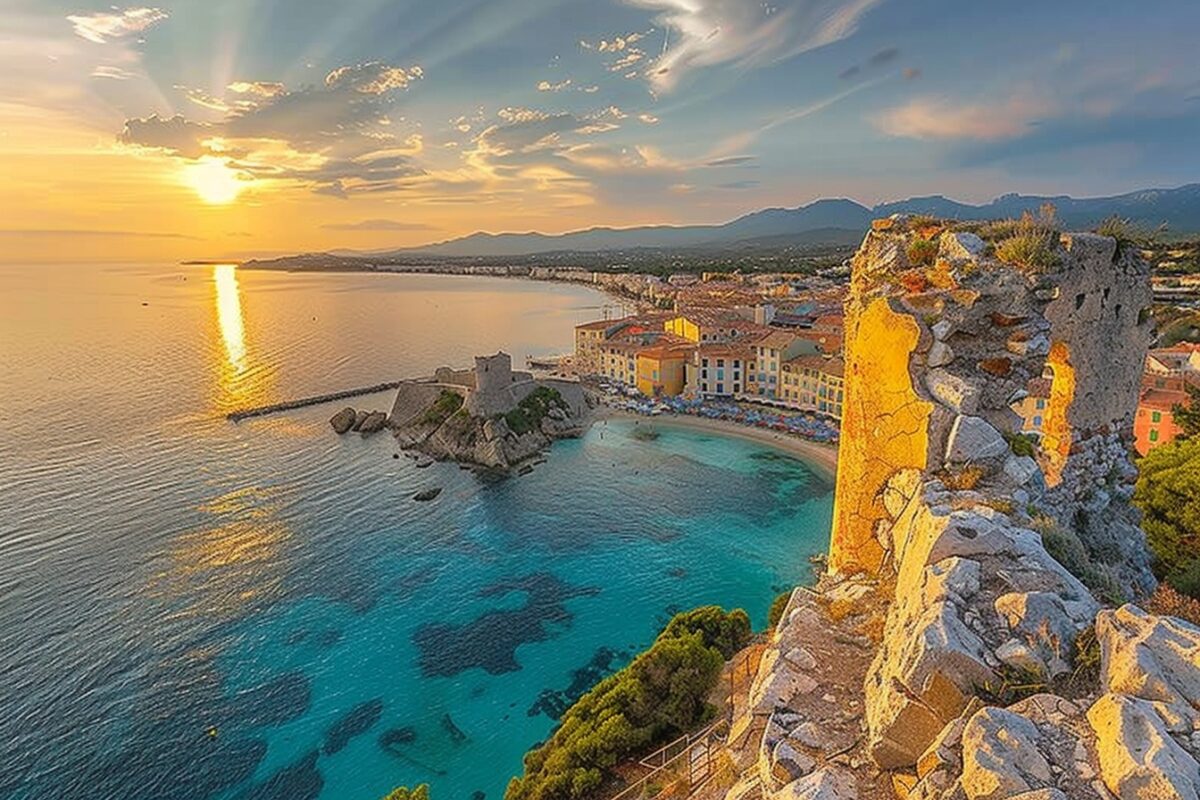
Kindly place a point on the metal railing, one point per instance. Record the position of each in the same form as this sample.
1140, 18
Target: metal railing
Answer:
680, 768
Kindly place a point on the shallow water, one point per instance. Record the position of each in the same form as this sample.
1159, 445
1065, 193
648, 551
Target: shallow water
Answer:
195, 609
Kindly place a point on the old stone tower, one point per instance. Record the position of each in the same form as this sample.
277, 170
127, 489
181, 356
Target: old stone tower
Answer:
938, 354
493, 373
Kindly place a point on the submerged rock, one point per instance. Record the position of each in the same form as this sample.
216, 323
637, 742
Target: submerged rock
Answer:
355, 722
427, 494
373, 422
343, 420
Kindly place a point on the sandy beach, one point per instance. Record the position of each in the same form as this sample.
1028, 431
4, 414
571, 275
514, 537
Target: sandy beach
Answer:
822, 457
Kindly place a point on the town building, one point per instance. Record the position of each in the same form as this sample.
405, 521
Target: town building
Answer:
1032, 407
1168, 374
661, 369
770, 352
814, 383
720, 369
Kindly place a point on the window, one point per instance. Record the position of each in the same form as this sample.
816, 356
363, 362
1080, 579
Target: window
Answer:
1037, 421
720, 362
1154, 436
737, 387
703, 373
704, 362
654, 375
720, 374
1041, 403
720, 388
1156, 416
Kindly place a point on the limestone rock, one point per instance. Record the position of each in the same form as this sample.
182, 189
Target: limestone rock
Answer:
789, 763
373, 422
1001, 757
1138, 758
952, 391
343, 420
359, 418
1021, 469
973, 439
961, 247
940, 354
1151, 657
828, 783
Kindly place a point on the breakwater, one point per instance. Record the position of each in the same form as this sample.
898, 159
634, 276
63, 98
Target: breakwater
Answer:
288, 405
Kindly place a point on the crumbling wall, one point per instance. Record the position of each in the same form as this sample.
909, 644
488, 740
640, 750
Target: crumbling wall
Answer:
936, 491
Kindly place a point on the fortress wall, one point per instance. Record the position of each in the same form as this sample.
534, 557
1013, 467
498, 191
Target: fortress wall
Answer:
932, 492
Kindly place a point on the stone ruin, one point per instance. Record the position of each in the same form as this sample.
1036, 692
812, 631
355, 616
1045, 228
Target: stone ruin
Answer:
978, 560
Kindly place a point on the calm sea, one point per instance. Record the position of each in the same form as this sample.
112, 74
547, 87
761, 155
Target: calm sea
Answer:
191, 608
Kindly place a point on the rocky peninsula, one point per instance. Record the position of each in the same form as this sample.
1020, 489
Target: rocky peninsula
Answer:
490, 416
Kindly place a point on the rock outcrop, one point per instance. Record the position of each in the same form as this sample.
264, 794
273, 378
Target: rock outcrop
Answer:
490, 417
979, 560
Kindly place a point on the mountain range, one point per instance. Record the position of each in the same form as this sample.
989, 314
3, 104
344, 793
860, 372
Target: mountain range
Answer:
830, 221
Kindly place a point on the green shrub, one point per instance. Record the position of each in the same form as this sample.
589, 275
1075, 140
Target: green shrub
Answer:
1031, 243
528, 414
404, 793
1186, 579
922, 252
659, 695
1022, 444
1168, 494
1066, 549
777, 608
728, 632
446, 404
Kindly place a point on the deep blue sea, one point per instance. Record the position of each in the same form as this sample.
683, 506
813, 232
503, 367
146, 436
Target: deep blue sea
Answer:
195, 609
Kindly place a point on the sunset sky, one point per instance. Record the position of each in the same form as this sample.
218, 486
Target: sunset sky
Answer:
232, 128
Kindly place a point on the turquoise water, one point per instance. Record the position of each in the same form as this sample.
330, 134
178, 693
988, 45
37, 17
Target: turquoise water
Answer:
166, 575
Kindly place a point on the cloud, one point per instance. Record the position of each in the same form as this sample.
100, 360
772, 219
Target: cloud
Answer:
86, 233
260, 88
547, 86
103, 26
372, 78
112, 72
377, 225
933, 118
737, 185
730, 161
745, 33
336, 136
885, 56
850, 72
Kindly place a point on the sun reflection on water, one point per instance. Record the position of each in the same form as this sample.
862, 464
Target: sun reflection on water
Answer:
229, 315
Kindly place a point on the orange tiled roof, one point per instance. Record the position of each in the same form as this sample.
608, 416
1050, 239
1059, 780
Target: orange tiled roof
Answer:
1162, 399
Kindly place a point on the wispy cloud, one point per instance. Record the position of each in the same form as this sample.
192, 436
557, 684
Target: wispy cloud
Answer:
934, 118
703, 33
337, 137
377, 225
102, 26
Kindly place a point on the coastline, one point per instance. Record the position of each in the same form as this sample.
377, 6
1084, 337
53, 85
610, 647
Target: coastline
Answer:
822, 457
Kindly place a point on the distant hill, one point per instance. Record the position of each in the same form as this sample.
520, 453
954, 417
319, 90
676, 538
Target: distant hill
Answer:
831, 221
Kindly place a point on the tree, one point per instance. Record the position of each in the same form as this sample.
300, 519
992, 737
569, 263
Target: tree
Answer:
1187, 416
404, 793
1168, 494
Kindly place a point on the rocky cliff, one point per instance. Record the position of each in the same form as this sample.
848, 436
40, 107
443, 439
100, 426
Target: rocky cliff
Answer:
975, 635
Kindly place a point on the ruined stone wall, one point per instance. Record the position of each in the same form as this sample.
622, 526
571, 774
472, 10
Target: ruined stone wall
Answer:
937, 354
963, 608
931, 489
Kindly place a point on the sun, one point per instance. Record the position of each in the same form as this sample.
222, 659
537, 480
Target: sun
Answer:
213, 181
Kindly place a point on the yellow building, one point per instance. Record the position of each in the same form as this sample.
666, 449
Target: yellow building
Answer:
814, 383
661, 370
617, 360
